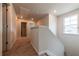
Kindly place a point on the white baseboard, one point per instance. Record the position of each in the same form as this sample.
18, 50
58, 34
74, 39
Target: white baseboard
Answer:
35, 48
39, 53
42, 52
47, 52
11, 44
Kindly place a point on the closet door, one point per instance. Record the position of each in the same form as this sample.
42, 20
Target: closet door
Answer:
4, 21
23, 29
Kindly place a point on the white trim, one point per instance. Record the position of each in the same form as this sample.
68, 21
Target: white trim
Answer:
42, 52
39, 53
48, 53
35, 48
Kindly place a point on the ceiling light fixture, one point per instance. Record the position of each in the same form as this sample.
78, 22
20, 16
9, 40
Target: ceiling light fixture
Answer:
55, 11
32, 18
21, 17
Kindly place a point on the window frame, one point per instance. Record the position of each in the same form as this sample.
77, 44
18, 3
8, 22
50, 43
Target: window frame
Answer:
70, 17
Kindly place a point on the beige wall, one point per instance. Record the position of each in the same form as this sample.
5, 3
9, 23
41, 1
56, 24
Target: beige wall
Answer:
11, 26
0, 29
44, 21
70, 41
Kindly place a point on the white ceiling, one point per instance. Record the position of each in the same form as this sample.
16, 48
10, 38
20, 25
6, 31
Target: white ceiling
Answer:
42, 9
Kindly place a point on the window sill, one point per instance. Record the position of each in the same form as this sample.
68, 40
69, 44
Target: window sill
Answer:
71, 33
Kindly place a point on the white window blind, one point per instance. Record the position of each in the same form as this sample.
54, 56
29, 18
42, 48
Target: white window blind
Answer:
71, 24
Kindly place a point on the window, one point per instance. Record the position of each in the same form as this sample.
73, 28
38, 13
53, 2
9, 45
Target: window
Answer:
70, 24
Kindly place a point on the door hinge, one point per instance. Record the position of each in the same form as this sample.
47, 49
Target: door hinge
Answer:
7, 26
6, 9
6, 42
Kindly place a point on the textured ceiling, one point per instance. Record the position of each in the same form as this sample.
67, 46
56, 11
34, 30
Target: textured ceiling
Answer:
39, 10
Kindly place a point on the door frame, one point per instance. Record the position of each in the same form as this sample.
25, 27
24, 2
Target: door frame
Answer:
5, 27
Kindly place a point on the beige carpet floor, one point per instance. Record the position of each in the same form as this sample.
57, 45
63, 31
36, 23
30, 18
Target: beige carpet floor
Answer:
22, 47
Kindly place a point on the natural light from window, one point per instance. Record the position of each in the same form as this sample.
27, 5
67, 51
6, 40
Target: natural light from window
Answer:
70, 24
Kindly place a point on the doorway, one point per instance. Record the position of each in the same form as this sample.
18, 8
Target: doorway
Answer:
23, 29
